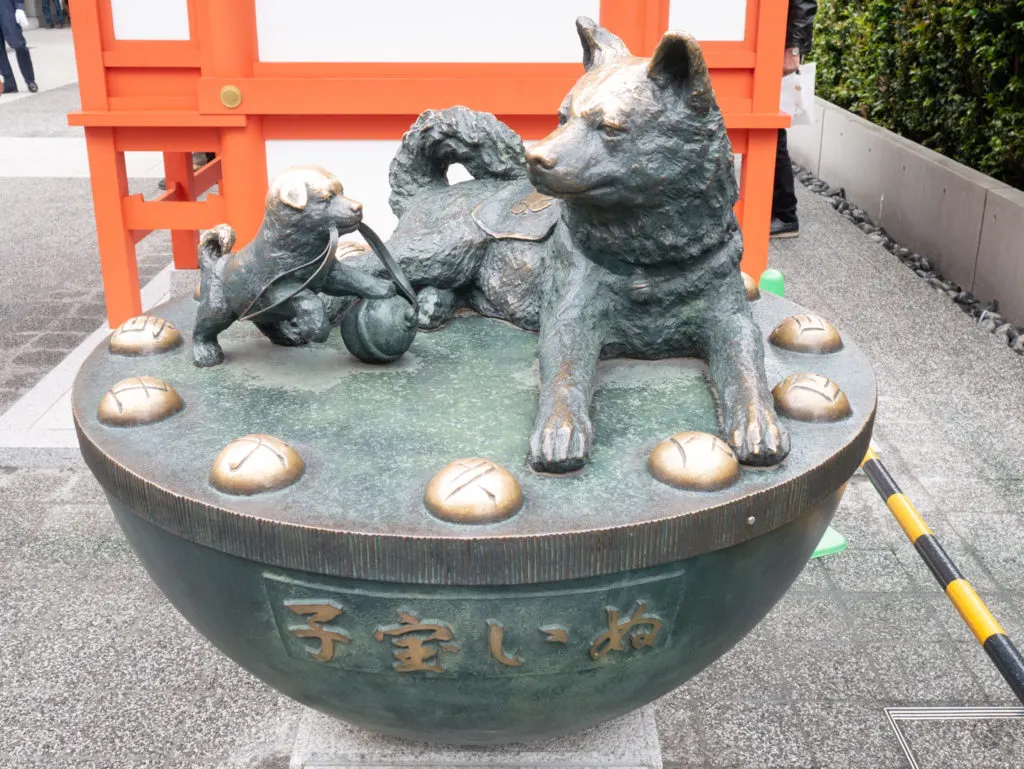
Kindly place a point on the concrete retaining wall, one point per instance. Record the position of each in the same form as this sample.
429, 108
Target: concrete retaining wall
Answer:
970, 226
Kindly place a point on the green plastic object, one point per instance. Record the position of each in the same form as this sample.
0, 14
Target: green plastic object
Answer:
833, 542
773, 282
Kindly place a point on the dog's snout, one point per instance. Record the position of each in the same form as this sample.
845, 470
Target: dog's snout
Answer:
537, 156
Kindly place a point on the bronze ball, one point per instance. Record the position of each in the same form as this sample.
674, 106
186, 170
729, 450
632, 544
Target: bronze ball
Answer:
806, 333
139, 400
144, 335
379, 330
694, 461
254, 464
473, 491
750, 286
811, 398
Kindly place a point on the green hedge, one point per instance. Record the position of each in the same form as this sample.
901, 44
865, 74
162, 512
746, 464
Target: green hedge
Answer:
944, 73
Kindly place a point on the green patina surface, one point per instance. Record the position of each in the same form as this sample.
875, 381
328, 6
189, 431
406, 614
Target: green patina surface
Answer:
373, 436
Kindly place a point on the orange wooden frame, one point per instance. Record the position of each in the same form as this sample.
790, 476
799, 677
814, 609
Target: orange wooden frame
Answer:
165, 96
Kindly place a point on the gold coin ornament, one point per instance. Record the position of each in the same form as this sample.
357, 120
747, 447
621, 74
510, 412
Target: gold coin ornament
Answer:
806, 333
473, 491
144, 335
694, 461
140, 400
255, 464
231, 96
750, 285
811, 398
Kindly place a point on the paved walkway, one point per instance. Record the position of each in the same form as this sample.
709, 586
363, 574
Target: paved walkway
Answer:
98, 670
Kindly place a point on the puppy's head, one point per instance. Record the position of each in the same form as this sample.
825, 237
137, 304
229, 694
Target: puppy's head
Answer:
312, 196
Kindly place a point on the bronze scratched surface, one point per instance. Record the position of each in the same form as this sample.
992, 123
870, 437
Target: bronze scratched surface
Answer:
372, 437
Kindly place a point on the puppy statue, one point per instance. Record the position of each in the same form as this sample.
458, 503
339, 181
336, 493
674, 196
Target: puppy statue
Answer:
275, 281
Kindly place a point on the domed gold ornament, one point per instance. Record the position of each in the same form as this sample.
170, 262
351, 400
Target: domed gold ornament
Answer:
140, 400
695, 462
254, 464
811, 398
144, 335
753, 292
806, 333
473, 491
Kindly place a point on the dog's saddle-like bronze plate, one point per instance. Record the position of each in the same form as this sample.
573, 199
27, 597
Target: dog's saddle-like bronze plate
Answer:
518, 212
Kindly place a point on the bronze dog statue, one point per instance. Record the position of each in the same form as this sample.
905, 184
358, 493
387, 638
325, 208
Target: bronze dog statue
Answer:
277, 279
613, 237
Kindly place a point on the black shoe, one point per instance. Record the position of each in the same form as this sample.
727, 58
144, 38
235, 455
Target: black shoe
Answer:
781, 229
33, 87
49, 25
10, 90
162, 184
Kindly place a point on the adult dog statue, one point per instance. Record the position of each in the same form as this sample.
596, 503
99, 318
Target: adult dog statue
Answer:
613, 237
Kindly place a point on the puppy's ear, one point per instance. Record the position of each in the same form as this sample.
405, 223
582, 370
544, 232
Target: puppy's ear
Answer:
292, 192
599, 45
678, 64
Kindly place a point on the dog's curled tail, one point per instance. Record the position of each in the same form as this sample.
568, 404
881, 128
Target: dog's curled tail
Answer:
213, 244
488, 149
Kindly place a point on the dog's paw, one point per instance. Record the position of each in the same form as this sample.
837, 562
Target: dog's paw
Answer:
561, 441
756, 436
206, 354
437, 307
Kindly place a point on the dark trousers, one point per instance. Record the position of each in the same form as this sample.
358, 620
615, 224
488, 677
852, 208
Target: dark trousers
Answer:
10, 33
58, 10
783, 194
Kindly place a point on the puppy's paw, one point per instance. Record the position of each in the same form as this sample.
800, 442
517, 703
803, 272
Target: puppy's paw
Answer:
561, 440
437, 307
756, 436
206, 354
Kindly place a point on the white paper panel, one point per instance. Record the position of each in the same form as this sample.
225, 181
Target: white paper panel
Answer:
705, 20
421, 30
150, 19
362, 166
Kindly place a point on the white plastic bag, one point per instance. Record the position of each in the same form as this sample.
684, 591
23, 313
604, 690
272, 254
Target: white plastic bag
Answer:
797, 97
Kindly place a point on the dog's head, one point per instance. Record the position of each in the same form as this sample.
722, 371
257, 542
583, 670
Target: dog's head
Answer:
630, 125
312, 196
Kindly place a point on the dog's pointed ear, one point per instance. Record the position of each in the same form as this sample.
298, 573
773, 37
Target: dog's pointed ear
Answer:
292, 191
678, 64
599, 45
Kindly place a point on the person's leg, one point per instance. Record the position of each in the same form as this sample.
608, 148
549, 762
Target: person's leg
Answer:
10, 84
46, 13
12, 33
784, 219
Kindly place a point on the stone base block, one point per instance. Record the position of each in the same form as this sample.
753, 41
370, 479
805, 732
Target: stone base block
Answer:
630, 742
183, 282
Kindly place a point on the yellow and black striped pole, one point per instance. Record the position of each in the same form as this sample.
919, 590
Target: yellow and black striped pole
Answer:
975, 613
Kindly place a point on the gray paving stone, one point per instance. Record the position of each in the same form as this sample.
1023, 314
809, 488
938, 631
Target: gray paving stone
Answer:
836, 671
966, 744
748, 672
913, 672
872, 571
683, 744
850, 735
802, 617
756, 735
876, 617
